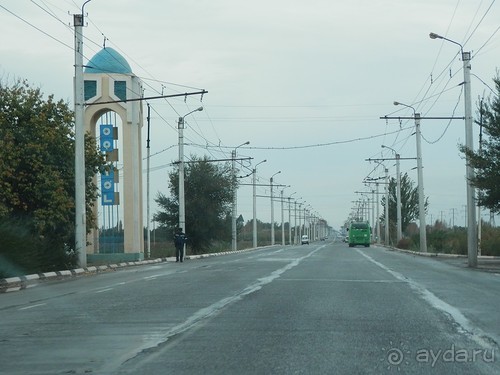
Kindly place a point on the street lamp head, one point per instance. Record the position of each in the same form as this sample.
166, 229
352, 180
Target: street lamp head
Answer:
263, 161
405, 105
243, 144
199, 109
435, 36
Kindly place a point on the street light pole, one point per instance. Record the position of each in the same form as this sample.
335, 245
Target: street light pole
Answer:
378, 215
80, 207
373, 216
421, 198
254, 171
234, 238
148, 211
471, 200
399, 231
282, 219
386, 226
295, 222
299, 235
182, 206
272, 208
290, 219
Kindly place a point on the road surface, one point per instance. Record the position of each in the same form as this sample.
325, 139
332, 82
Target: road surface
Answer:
322, 308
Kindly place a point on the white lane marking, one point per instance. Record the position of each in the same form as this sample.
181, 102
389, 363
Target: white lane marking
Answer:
151, 277
32, 306
347, 280
275, 259
104, 290
465, 325
160, 337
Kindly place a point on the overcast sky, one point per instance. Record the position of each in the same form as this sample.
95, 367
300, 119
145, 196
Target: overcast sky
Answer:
306, 82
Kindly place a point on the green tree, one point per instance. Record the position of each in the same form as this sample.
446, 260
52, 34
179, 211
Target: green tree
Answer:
37, 177
486, 162
209, 191
409, 202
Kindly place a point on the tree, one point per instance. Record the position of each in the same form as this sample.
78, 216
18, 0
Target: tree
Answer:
486, 161
209, 191
37, 176
409, 202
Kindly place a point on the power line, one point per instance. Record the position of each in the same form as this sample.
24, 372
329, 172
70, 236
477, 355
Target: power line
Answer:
37, 28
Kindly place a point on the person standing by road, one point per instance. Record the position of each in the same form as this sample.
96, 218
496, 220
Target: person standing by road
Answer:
179, 241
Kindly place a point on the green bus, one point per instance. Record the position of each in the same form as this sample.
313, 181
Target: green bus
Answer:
359, 233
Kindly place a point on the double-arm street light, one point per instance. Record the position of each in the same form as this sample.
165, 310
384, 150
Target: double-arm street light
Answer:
290, 219
295, 227
283, 216
471, 212
182, 206
398, 193
254, 171
234, 238
272, 208
421, 198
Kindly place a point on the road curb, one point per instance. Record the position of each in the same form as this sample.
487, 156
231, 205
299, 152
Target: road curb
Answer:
489, 263
14, 284
429, 255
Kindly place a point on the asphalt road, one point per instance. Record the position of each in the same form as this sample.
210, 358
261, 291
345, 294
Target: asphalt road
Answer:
322, 308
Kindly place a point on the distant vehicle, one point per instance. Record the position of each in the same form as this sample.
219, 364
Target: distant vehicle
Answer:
359, 234
346, 239
304, 240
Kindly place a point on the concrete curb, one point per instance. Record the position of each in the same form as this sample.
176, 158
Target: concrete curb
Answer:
430, 255
13, 284
486, 263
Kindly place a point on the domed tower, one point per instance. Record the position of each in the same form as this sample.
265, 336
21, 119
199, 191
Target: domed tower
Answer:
110, 88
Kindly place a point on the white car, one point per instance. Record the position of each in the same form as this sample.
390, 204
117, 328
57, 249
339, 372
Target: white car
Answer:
304, 240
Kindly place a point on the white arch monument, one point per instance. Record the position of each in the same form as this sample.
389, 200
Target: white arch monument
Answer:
108, 79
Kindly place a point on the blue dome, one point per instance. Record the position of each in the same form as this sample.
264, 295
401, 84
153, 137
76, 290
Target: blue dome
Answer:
108, 60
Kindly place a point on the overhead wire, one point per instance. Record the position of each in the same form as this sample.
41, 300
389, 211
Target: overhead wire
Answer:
36, 27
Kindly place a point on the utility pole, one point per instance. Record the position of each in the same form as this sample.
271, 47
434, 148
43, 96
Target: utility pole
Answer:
147, 183
234, 238
254, 233
295, 223
479, 219
472, 239
378, 216
272, 208
398, 158
386, 224
290, 219
399, 231
182, 198
282, 220
80, 211
421, 197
